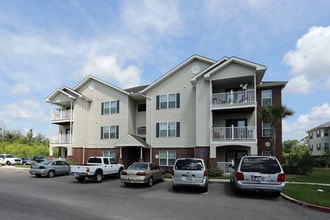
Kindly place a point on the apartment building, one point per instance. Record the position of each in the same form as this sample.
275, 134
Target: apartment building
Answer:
319, 139
201, 108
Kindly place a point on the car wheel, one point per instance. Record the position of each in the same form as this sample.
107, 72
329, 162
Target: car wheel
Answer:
119, 172
127, 184
8, 163
81, 179
275, 194
235, 190
51, 174
175, 188
205, 189
163, 177
151, 182
97, 178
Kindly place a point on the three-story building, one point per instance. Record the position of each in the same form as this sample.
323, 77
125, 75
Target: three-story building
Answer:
201, 108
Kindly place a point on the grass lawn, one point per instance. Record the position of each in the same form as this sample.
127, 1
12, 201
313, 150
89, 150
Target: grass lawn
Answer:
313, 194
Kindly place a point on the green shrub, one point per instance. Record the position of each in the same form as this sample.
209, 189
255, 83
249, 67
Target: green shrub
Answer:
215, 172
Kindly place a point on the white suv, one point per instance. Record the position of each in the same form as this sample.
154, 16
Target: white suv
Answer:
9, 159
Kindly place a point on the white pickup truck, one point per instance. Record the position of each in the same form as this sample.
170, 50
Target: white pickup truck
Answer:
96, 168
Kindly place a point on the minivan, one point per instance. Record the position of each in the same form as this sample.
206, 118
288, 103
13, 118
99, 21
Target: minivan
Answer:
190, 172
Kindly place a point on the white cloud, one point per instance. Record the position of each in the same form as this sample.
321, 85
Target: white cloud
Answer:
108, 67
310, 61
21, 89
317, 116
23, 109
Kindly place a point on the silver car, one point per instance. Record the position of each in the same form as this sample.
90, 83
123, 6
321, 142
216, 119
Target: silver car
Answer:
190, 172
259, 174
50, 168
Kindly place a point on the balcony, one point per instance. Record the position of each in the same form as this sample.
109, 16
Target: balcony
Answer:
233, 98
234, 133
61, 115
61, 139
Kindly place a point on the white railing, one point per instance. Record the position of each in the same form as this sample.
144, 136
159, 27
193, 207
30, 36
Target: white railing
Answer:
61, 139
225, 167
234, 133
62, 115
234, 98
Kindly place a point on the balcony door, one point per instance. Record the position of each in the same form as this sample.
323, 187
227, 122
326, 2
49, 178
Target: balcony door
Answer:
236, 128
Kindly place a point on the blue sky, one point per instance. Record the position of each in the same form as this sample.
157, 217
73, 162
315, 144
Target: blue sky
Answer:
47, 44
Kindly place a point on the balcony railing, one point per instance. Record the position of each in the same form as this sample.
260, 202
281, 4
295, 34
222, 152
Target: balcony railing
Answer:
225, 167
61, 115
61, 139
234, 133
233, 98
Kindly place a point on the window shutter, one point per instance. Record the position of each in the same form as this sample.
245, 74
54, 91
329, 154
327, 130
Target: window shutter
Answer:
102, 131
178, 129
102, 108
178, 100
117, 132
157, 102
157, 129
117, 106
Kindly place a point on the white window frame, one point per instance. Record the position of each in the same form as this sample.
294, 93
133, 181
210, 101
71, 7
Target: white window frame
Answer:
265, 127
167, 156
266, 97
109, 153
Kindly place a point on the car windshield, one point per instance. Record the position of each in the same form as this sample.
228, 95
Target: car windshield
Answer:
189, 164
260, 164
10, 156
138, 166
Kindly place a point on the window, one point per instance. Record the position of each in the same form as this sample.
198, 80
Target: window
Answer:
266, 129
318, 146
266, 153
142, 107
310, 135
318, 133
326, 132
110, 132
110, 107
168, 129
141, 130
167, 157
326, 146
311, 147
168, 101
266, 97
109, 153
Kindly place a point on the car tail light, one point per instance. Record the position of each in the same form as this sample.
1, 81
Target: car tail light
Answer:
140, 173
205, 173
124, 173
172, 173
281, 177
239, 176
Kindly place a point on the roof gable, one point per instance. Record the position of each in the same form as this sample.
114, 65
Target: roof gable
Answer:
225, 61
175, 70
90, 78
130, 140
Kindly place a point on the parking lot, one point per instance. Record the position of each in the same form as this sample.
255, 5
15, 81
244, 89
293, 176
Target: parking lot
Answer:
24, 196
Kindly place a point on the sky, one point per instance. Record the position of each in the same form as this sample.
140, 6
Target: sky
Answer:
47, 44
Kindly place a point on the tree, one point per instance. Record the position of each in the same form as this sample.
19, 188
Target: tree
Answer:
273, 114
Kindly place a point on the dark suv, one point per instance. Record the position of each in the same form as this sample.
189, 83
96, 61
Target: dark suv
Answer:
190, 172
259, 174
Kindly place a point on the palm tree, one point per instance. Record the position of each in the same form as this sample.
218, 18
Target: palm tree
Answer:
272, 114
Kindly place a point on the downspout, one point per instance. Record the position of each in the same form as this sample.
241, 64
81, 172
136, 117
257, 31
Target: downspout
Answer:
82, 136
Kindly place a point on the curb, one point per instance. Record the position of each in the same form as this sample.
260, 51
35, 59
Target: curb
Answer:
305, 204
